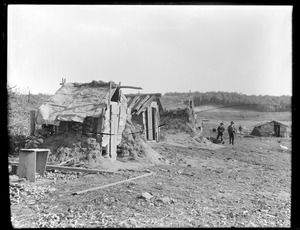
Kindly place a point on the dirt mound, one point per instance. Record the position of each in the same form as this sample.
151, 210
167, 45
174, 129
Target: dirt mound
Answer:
179, 120
134, 147
72, 146
181, 128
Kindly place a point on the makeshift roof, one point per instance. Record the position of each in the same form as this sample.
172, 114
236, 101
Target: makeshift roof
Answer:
74, 102
139, 102
264, 123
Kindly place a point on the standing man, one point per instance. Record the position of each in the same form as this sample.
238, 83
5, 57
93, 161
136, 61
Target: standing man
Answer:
220, 130
231, 132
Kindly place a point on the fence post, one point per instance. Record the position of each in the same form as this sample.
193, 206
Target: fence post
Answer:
32, 122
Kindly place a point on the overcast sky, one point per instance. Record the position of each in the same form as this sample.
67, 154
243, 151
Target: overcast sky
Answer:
244, 49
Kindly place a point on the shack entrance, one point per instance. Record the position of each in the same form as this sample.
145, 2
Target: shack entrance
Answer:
277, 130
151, 123
145, 111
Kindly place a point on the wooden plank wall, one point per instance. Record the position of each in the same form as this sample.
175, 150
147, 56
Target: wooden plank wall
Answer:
115, 112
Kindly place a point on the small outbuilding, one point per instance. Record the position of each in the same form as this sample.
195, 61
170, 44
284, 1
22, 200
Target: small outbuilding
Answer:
271, 128
145, 110
97, 109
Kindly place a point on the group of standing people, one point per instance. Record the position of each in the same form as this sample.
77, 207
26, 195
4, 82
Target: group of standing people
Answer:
230, 129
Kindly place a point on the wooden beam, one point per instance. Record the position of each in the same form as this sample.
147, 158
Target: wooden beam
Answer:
32, 122
137, 106
143, 94
130, 87
145, 105
64, 168
133, 101
115, 183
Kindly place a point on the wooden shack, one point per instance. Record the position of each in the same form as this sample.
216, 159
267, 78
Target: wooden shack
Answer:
97, 109
271, 128
145, 110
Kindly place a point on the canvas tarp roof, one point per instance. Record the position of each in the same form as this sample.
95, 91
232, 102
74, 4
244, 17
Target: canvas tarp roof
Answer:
75, 102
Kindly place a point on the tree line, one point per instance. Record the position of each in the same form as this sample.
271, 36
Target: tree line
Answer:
262, 103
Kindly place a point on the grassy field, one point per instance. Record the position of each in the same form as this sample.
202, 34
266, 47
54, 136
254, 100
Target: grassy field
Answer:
239, 115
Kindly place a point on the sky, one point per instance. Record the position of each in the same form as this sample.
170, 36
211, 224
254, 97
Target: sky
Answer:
161, 48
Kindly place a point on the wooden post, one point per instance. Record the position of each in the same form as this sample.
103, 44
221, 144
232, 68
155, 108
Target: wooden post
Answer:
32, 122
114, 130
144, 123
109, 117
149, 121
190, 98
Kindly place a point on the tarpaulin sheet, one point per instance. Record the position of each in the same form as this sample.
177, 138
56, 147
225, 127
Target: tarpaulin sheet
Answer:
74, 103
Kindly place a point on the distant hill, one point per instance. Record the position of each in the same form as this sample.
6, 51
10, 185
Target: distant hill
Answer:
262, 103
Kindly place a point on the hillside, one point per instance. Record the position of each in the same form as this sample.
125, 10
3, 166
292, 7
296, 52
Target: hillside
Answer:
19, 106
262, 103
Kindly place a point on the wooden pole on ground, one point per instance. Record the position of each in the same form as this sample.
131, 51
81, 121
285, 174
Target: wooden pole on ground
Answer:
115, 183
32, 122
64, 168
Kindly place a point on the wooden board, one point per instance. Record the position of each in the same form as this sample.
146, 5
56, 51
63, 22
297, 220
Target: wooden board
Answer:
115, 110
41, 160
133, 101
64, 168
115, 183
149, 122
27, 165
138, 105
145, 105
121, 123
144, 124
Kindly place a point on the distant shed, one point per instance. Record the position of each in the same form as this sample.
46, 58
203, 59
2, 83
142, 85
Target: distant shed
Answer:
145, 111
271, 128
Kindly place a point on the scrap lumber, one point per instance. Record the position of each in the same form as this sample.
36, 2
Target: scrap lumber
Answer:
65, 162
115, 183
63, 168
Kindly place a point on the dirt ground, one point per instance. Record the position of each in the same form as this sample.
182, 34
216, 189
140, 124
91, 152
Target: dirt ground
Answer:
195, 185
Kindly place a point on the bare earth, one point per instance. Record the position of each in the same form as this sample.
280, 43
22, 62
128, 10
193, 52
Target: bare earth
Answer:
198, 185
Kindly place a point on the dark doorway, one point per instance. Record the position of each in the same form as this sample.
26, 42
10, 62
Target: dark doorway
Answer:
277, 130
154, 123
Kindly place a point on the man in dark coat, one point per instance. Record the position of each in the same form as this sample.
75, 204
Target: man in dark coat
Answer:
220, 130
231, 132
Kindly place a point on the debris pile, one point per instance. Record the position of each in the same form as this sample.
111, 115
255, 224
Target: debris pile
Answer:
30, 193
67, 146
181, 120
134, 147
34, 141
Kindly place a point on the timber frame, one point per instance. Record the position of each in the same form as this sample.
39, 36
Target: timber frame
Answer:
145, 110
